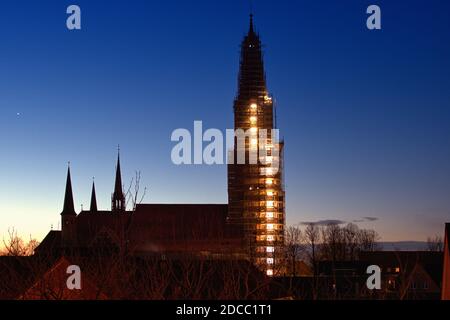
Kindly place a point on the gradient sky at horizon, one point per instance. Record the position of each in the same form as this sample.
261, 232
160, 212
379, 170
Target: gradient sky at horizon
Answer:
365, 115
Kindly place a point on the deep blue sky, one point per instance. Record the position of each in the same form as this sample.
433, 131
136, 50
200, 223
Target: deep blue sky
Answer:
365, 114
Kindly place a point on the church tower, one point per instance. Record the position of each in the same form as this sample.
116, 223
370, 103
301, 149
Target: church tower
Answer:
256, 190
118, 198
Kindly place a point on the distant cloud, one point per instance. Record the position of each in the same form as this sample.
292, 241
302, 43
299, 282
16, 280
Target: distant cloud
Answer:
336, 221
365, 219
323, 222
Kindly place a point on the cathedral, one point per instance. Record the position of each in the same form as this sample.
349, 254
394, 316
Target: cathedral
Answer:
251, 226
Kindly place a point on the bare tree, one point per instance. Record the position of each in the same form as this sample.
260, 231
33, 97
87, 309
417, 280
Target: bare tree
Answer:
332, 242
16, 246
133, 194
435, 244
368, 240
312, 238
293, 246
350, 238
345, 243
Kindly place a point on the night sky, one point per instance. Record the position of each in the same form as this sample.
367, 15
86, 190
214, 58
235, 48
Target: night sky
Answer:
365, 114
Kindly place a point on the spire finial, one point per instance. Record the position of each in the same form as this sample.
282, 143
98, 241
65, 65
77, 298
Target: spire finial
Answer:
251, 30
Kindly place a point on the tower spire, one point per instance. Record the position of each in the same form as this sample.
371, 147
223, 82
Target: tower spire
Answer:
68, 215
251, 29
118, 198
69, 208
93, 198
118, 183
252, 80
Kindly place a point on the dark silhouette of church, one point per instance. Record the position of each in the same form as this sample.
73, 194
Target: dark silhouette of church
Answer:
250, 226
150, 228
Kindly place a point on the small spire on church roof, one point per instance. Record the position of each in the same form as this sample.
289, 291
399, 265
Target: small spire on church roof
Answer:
118, 198
69, 208
93, 207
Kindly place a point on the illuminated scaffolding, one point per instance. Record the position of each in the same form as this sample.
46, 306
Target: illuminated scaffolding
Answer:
256, 191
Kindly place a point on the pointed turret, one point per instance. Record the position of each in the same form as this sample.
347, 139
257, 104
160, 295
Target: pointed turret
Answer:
118, 198
118, 184
69, 207
93, 199
68, 216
